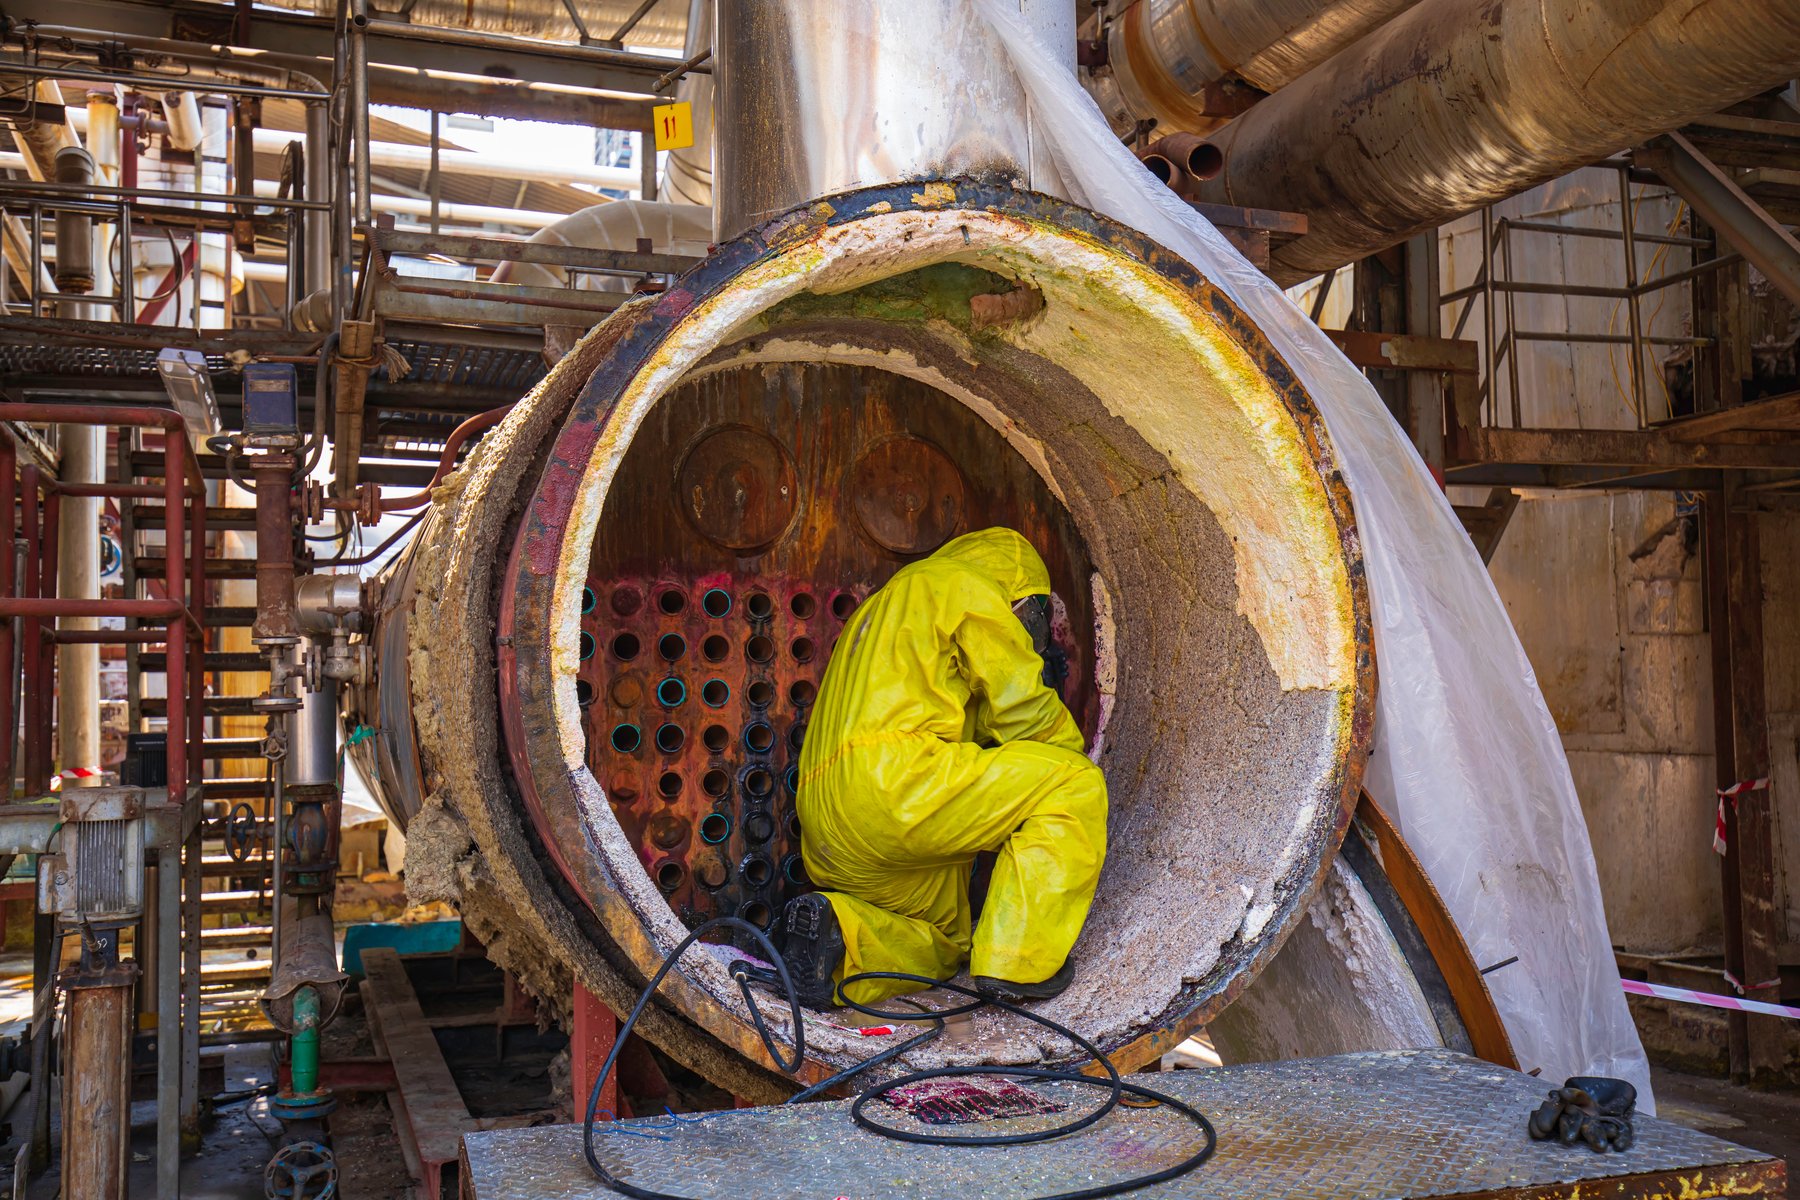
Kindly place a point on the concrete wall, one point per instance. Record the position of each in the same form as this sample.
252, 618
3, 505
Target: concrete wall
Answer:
1604, 587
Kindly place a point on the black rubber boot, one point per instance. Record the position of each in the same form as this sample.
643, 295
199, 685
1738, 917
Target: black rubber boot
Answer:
813, 948
1024, 993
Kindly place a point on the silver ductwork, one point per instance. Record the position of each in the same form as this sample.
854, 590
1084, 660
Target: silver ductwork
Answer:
815, 99
1459, 103
1179, 62
664, 26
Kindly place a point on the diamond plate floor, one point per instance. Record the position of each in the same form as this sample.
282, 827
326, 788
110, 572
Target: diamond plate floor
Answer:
1423, 1123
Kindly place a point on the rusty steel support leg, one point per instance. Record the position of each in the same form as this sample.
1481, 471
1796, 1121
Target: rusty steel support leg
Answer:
275, 620
355, 362
1734, 594
96, 1073
595, 1030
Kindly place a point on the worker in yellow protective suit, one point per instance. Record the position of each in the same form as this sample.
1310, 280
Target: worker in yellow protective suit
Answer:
933, 738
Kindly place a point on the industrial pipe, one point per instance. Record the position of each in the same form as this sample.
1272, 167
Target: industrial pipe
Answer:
276, 623
1457, 104
545, 20
74, 229
1179, 62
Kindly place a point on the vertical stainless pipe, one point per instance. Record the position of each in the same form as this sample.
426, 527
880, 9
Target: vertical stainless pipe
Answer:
318, 187
359, 108
83, 450
312, 751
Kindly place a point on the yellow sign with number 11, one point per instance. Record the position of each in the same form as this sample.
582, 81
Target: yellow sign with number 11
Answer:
674, 125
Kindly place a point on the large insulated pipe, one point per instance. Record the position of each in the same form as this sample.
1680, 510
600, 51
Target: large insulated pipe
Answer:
1167, 59
1460, 103
814, 99
662, 26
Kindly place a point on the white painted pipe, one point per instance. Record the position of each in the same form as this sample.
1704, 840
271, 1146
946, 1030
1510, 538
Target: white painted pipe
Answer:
394, 155
182, 111
83, 455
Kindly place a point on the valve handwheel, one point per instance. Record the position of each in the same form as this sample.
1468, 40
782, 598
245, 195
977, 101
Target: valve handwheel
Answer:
301, 1171
240, 832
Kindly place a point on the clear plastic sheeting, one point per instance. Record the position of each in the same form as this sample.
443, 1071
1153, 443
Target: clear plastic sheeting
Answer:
1466, 757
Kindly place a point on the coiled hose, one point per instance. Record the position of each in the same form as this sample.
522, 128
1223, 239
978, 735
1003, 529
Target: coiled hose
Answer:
1116, 1088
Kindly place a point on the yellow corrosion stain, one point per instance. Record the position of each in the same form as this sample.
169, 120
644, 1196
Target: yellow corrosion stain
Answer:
881, 206
935, 195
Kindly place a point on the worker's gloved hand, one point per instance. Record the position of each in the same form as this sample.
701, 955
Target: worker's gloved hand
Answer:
1590, 1109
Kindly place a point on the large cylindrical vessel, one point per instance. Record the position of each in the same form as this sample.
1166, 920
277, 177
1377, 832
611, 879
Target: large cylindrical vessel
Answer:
621, 612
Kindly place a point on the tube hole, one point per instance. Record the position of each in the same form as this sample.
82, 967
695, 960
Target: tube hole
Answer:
715, 693
760, 649
711, 876
803, 605
797, 735
715, 828
842, 605
1205, 161
795, 871
625, 647
755, 912
588, 600
626, 787
626, 600
626, 738
759, 606
671, 646
790, 779
1162, 168
669, 738
670, 693
757, 871
760, 693
716, 738
793, 826
758, 782
759, 737
671, 601
716, 602
715, 783
801, 692
668, 785
715, 648
584, 693
670, 875
759, 827
802, 649
587, 645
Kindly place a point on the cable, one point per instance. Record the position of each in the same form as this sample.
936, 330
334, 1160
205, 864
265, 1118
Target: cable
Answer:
1116, 1087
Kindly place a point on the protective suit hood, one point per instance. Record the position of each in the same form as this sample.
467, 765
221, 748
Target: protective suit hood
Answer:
1002, 555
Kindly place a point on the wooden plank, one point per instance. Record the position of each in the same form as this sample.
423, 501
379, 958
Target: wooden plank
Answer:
1779, 412
428, 1100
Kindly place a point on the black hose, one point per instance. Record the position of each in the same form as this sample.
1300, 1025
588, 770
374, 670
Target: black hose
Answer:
1115, 1086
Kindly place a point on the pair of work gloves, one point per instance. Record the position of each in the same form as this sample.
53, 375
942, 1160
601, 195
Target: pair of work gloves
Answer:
1590, 1109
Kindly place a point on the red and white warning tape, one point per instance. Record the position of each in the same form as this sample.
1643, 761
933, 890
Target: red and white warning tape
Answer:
75, 773
1709, 999
1730, 795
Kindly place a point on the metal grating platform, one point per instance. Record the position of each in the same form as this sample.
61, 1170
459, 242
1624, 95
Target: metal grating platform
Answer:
1407, 1124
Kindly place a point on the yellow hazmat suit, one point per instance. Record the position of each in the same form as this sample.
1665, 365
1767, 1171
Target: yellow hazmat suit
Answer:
934, 738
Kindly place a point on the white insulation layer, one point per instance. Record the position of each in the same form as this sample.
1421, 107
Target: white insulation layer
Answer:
1466, 756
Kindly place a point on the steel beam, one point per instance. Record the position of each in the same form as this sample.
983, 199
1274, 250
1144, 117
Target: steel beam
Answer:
1738, 219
